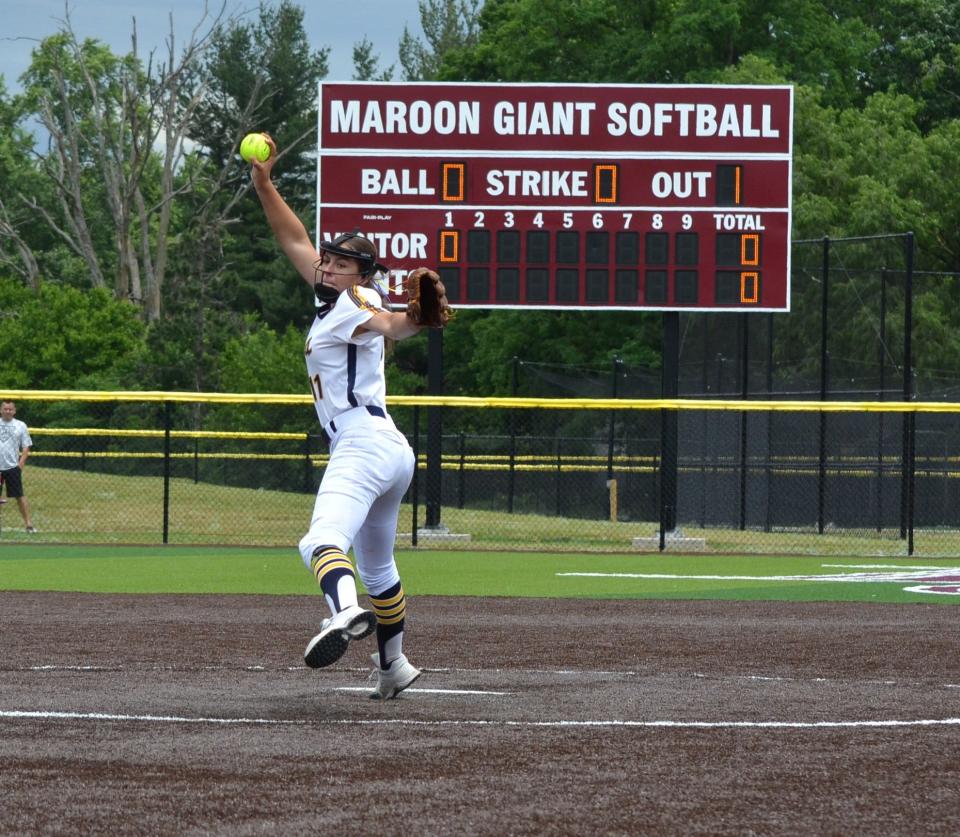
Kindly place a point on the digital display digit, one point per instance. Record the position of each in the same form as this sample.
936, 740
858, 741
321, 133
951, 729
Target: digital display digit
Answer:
538, 284
658, 248
660, 197
508, 284
568, 247
625, 291
598, 247
538, 247
508, 246
656, 290
628, 248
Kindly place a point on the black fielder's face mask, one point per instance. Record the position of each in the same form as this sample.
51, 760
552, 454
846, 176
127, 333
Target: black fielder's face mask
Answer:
367, 265
325, 293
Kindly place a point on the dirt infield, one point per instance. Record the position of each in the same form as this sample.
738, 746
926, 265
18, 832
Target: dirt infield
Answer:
194, 714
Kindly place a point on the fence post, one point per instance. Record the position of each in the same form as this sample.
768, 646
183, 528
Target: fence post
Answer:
704, 423
882, 394
911, 475
461, 488
307, 482
611, 433
744, 392
769, 457
824, 384
559, 476
910, 440
167, 422
434, 477
511, 472
416, 473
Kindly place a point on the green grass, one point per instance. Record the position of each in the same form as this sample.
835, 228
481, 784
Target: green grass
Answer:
78, 507
178, 569
91, 507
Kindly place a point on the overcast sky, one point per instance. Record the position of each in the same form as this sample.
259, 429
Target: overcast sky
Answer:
329, 23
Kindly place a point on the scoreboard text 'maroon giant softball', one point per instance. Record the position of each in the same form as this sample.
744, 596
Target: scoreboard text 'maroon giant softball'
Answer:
669, 197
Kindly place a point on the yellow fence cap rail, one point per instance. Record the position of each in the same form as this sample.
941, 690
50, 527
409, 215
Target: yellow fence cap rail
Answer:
502, 403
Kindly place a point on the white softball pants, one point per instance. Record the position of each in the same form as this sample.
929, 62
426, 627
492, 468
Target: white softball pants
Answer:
358, 503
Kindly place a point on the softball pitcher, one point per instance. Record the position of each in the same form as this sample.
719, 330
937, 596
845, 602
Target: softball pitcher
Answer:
370, 464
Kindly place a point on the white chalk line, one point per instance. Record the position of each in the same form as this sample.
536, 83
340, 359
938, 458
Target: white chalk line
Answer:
159, 719
156, 668
935, 583
269, 670
13, 714
891, 567
888, 577
425, 691
497, 672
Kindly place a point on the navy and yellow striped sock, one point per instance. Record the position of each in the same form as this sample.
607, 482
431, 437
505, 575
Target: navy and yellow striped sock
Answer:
390, 607
334, 574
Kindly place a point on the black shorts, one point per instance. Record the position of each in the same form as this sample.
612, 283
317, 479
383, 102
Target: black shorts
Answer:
13, 482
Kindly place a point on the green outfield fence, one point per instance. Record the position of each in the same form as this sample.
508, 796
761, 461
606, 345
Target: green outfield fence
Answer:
577, 474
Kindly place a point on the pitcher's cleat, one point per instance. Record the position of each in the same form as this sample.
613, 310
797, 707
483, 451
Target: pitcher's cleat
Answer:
331, 643
392, 681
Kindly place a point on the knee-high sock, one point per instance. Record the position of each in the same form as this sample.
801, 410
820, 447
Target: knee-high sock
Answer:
390, 606
334, 573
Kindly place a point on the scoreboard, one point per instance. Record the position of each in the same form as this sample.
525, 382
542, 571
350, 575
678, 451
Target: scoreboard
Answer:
625, 197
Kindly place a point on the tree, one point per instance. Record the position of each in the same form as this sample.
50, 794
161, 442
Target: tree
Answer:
259, 75
16, 174
229, 275
65, 338
918, 54
129, 144
941, 198
105, 116
877, 140
366, 65
448, 26
561, 41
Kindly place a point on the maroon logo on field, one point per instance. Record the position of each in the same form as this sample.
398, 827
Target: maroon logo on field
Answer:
945, 585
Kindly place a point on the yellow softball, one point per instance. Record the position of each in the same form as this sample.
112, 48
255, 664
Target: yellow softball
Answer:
254, 146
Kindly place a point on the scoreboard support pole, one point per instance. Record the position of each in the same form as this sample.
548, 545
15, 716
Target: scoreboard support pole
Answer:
434, 485
669, 424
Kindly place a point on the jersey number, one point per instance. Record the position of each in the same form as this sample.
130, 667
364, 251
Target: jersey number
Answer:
316, 389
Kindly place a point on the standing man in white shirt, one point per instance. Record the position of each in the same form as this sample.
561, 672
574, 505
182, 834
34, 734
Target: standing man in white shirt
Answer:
15, 444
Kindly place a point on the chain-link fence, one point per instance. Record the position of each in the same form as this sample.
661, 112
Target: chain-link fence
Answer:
850, 334
863, 479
